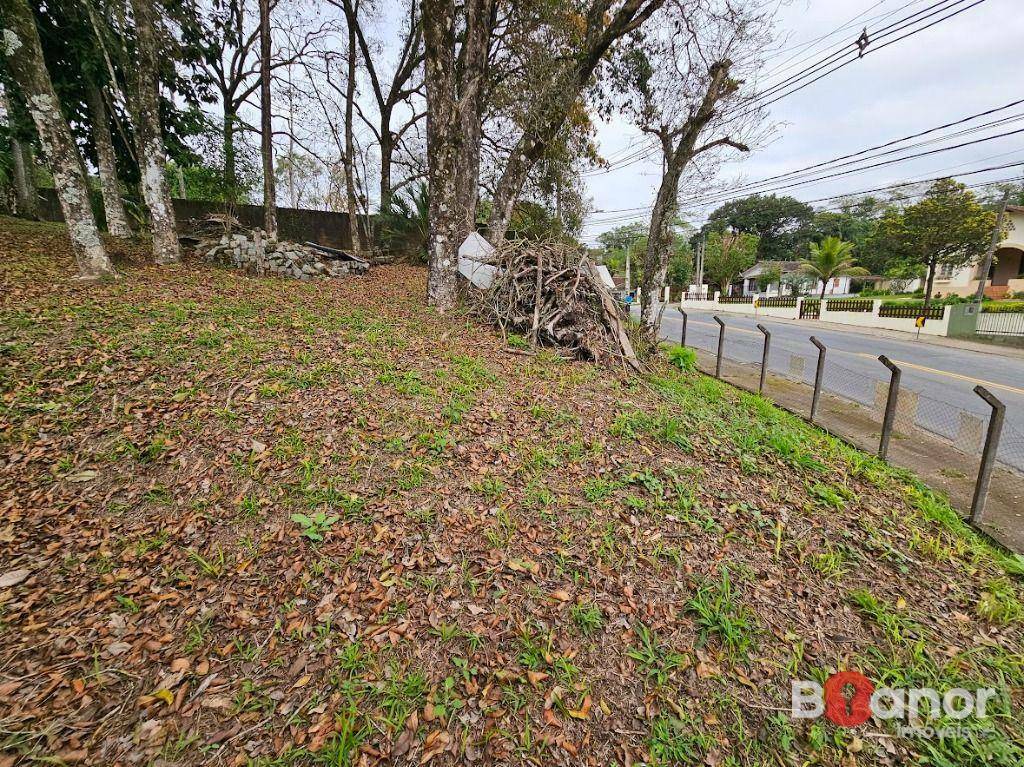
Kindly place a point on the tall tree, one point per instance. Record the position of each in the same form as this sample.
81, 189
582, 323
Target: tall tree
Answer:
267, 126
679, 146
231, 61
145, 100
831, 258
106, 161
22, 158
351, 8
602, 26
390, 95
691, 107
948, 226
782, 224
726, 254
454, 81
24, 55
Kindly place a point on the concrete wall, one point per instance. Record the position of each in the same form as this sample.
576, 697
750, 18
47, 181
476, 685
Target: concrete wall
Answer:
325, 227
856, 319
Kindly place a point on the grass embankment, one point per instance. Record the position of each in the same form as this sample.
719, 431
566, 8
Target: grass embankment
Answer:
274, 523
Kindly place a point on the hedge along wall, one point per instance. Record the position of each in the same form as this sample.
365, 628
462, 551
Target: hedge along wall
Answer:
297, 224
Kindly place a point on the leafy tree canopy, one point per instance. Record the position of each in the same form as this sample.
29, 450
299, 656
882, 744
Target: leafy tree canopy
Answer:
948, 226
726, 255
622, 237
781, 224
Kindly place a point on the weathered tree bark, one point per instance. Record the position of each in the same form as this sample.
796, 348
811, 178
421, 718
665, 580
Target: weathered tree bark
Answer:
349, 160
679, 147
230, 173
113, 207
553, 107
24, 54
266, 126
442, 125
25, 189
149, 140
473, 63
454, 92
25, 192
399, 90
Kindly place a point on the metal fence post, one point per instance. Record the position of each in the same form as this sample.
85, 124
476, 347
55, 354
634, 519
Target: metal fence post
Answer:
721, 346
817, 376
988, 455
890, 406
764, 356
682, 335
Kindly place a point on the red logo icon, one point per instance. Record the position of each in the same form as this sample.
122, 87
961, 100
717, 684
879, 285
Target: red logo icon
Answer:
852, 711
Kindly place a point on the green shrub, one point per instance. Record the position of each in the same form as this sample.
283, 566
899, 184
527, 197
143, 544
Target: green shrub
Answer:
683, 358
993, 307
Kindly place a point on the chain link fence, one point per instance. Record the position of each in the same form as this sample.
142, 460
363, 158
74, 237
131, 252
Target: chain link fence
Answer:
942, 441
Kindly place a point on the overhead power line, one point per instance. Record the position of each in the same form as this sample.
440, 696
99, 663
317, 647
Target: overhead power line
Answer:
850, 49
883, 163
861, 192
891, 143
592, 239
854, 48
862, 155
859, 54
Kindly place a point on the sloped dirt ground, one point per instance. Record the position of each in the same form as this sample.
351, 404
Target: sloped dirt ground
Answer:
523, 559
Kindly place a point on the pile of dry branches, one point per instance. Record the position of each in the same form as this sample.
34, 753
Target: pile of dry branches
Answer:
551, 293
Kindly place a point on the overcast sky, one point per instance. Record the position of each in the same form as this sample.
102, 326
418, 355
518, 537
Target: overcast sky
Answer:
968, 64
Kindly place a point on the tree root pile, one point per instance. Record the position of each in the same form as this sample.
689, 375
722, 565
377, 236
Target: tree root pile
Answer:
552, 294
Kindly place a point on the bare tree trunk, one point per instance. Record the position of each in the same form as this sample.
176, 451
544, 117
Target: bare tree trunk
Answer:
387, 151
355, 231
117, 221
553, 107
24, 178
149, 137
25, 192
659, 237
442, 124
931, 281
230, 175
24, 55
266, 126
399, 90
470, 112
679, 147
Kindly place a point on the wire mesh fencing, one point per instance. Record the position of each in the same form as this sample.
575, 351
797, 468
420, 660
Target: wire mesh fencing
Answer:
942, 440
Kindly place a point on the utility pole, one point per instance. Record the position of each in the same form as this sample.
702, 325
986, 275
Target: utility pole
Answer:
986, 264
628, 248
700, 264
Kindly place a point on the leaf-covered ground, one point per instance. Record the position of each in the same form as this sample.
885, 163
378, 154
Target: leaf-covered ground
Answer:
257, 522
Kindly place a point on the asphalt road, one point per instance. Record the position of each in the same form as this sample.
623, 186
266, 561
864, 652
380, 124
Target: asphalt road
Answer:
944, 377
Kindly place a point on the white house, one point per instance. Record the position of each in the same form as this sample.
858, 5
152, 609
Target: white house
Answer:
837, 286
1007, 272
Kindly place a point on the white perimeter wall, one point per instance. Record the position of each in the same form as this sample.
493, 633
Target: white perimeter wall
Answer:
856, 319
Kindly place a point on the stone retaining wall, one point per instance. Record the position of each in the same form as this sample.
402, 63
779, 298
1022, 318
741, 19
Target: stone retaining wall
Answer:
284, 259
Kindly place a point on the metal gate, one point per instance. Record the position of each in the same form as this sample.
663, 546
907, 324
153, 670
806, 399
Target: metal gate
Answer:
810, 309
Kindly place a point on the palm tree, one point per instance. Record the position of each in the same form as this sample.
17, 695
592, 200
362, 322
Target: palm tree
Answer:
831, 258
403, 224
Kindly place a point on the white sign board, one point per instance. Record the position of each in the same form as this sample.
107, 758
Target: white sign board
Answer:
473, 251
